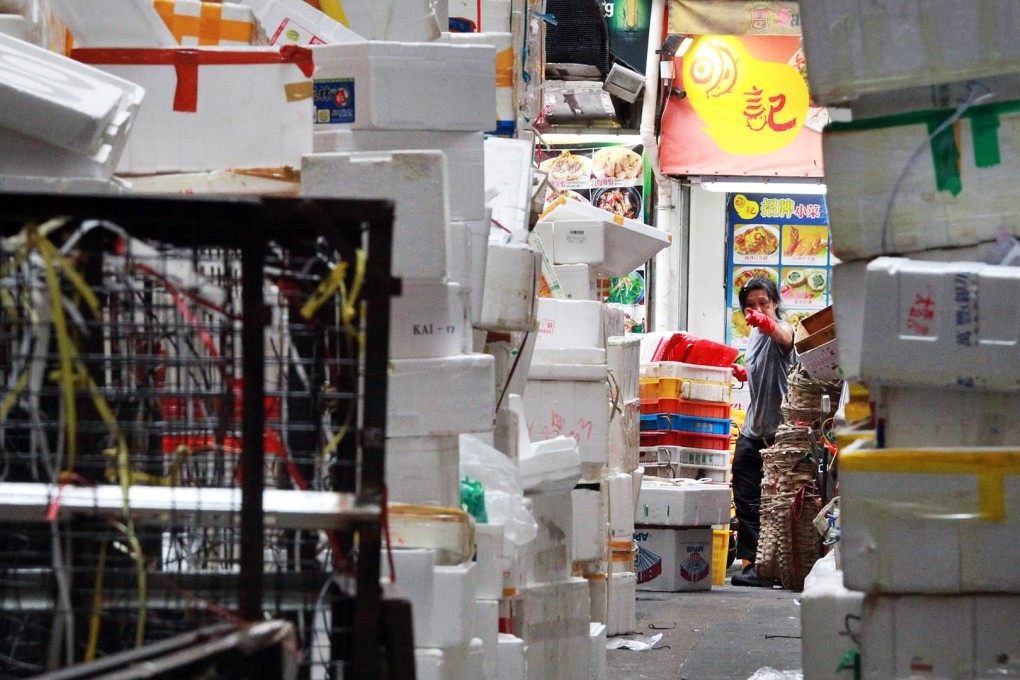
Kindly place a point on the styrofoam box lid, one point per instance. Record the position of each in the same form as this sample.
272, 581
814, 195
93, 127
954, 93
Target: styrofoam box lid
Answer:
573, 355
114, 23
628, 243
576, 372
468, 56
58, 100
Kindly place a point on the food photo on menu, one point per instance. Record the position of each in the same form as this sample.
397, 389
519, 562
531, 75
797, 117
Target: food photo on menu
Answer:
610, 178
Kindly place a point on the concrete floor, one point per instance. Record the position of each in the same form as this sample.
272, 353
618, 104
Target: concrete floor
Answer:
727, 633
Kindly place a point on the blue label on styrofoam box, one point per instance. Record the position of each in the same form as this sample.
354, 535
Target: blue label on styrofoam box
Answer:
334, 101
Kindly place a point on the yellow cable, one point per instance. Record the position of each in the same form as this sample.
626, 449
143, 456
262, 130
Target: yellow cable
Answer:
335, 10
12, 396
327, 287
97, 605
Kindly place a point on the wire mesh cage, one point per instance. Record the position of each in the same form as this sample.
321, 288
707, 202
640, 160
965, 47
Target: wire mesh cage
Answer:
192, 419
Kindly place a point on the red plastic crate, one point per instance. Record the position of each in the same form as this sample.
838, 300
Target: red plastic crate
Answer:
703, 409
650, 406
698, 440
669, 405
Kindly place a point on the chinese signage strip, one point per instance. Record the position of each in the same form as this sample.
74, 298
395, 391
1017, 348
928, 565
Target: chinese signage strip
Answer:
751, 17
746, 110
784, 238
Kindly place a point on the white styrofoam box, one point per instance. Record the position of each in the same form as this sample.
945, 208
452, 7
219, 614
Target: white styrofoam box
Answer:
627, 243
465, 159
573, 241
449, 395
415, 180
429, 319
863, 165
192, 23
487, 15
405, 86
457, 662
453, 612
598, 663
467, 255
621, 505
49, 101
61, 185
622, 603
553, 622
553, 547
201, 112
858, 47
826, 607
682, 502
489, 556
508, 173
576, 404
624, 435
423, 470
415, 569
954, 636
623, 355
919, 417
295, 22
393, 20
550, 465
577, 281
917, 323
511, 288
137, 23
589, 529
502, 42
487, 630
511, 658
1006, 87
674, 559
15, 26
567, 324
956, 509
591, 356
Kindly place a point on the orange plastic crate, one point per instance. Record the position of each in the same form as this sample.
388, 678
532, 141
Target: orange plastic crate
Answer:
697, 440
703, 409
650, 406
670, 405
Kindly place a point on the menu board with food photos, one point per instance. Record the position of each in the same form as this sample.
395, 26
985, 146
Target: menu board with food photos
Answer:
611, 176
784, 238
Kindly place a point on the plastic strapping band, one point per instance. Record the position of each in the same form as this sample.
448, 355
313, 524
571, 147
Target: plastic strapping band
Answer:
984, 130
945, 154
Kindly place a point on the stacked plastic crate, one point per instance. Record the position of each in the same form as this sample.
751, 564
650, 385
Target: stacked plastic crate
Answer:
925, 170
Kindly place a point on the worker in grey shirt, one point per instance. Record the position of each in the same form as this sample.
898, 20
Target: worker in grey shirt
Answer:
767, 360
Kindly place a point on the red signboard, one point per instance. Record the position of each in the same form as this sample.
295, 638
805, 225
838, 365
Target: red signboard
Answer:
746, 110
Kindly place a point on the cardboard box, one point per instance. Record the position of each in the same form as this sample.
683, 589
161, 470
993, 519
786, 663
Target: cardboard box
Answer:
77, 129
939, 637
417, 183
673, 560
961, 197
202, 113
815, 330
826, 608
405, 86
429, 319
919, 417
575, 403
916, 323
423, 470
822, 362
510, 293
682, 502
860, 46
464, 151
450, 395
951, 509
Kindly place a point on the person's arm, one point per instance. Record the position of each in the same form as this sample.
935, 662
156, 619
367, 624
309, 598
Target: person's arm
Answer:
783, 335
780, 332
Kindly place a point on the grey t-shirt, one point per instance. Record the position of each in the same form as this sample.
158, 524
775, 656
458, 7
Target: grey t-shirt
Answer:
767, 364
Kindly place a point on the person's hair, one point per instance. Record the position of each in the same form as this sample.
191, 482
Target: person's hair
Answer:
760, 283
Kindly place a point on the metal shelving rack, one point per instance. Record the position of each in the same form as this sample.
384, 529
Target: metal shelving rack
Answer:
192, 423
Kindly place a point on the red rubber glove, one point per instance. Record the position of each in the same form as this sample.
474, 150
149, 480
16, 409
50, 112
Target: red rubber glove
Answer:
760, 321
740, 373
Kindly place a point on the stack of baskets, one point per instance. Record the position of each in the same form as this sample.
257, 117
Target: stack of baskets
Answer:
685, 420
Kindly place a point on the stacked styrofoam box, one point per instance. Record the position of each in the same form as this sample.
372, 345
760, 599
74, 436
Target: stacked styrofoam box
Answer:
553, 620
828, 612
295, 22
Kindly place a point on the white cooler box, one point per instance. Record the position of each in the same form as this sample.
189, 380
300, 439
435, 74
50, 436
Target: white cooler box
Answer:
682, 502
405, 86
673, 559
570, 400
423, 470
858, 46
936, 324
953, 514
553, 620
510, 293
429, 319
863, 164
451, 395
924, 636
827, 608
214, 108
919, 417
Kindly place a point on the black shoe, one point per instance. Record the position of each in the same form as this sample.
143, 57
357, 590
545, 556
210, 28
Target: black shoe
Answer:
747, 577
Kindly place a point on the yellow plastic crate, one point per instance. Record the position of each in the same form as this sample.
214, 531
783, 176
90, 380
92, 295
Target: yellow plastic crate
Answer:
720, 549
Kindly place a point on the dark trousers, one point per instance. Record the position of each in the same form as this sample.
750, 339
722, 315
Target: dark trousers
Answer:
747, 475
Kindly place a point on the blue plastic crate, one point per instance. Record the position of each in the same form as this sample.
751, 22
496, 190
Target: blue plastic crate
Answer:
655, 421
700, 425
